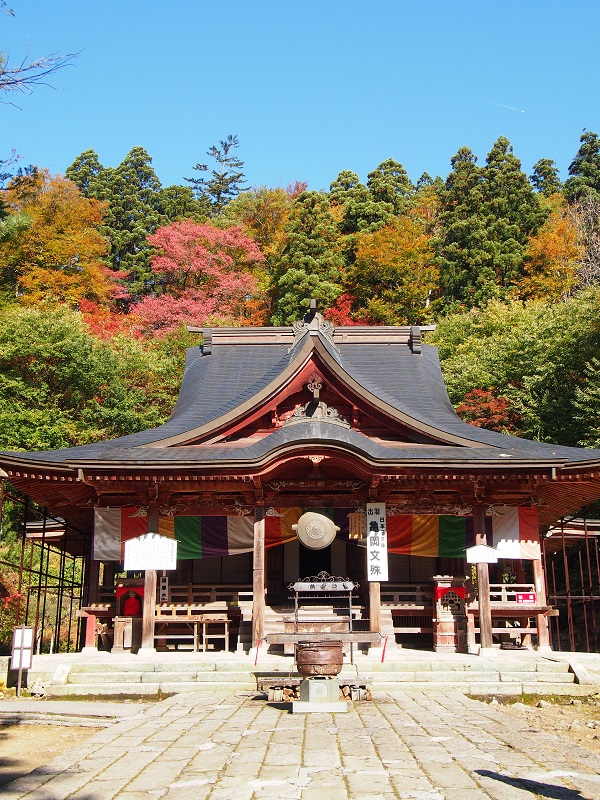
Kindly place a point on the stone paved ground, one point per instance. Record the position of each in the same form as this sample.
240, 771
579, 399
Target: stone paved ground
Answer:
433, 746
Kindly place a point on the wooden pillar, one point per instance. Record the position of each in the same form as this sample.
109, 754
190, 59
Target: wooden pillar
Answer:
258, 578
541, 599
93, 578
483, 583
149, 607
89, 632
375, 606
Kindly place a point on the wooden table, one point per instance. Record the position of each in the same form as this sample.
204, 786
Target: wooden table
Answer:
202, 625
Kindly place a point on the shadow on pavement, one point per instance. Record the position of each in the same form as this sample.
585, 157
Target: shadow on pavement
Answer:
537, 788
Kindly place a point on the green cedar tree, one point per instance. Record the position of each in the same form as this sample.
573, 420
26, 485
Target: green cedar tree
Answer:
311, 263
389, 183
585, 170
487, 215
544, 177
137, 206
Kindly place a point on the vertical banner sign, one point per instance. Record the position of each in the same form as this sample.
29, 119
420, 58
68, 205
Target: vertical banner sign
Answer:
356, 526
163, 590
377, 560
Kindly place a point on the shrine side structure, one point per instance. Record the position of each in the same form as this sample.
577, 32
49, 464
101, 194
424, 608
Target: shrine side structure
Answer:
281, 443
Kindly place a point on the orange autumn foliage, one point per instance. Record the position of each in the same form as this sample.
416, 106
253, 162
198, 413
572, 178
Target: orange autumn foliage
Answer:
58, 257
552, 256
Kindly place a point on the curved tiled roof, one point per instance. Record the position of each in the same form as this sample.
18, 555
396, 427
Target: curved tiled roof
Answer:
216, 385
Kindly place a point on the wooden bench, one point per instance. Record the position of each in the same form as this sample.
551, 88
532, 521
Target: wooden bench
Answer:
508, 614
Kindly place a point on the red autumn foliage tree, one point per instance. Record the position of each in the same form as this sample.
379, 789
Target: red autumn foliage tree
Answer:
104, 323
203, 274
166, 313
341, 312
483, 409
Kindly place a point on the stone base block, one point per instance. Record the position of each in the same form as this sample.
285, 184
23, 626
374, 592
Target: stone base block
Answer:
306, 707
320, 690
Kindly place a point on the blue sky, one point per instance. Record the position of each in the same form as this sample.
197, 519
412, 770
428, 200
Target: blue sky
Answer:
309, 87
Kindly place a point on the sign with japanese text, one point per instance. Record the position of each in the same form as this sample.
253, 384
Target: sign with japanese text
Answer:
526, 598
356, 526
22, 648
150, 551
377, 557
481, 554
163, 589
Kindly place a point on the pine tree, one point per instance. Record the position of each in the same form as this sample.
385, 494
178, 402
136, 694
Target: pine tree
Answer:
226, 181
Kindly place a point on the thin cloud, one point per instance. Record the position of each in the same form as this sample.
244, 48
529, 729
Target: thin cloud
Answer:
508, 108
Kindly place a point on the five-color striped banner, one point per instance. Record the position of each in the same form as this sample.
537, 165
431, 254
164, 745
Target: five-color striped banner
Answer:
513, 531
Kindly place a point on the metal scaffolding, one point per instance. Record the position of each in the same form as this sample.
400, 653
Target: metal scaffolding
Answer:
49, 574
572, 568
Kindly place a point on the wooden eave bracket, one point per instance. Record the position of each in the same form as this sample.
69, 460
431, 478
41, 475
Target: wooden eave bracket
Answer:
375, 481
258, 489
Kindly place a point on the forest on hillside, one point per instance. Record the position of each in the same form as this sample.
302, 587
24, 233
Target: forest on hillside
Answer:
103, 267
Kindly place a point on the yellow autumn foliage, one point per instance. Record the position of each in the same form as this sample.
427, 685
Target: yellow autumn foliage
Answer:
58, 257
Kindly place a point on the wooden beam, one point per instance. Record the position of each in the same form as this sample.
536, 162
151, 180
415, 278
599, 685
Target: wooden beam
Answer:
542, 619
483, 583
149, 610
258, 577
375, 606
149, 607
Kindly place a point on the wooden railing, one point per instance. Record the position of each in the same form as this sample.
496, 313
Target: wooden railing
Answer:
508, 593
407, 595
411, 606
204, 594
512, 593
179, 621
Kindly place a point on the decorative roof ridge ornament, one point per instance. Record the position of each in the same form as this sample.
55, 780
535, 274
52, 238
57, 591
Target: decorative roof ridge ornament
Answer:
316, 410
415, 339
313, 322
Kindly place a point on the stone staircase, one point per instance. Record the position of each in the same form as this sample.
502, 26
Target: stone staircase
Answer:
78, 676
